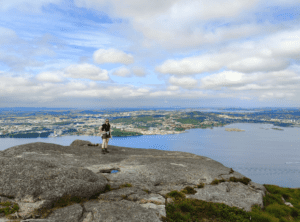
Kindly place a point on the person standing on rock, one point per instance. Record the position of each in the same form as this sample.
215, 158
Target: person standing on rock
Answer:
106, 134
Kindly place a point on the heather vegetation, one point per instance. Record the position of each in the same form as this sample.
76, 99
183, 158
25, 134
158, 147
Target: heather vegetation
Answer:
274, 210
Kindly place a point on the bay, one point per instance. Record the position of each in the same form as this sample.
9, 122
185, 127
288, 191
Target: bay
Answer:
264, 155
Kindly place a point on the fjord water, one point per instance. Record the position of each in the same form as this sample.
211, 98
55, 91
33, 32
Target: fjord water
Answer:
264, 155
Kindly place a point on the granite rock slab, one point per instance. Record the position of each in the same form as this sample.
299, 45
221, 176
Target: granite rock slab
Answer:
35, 175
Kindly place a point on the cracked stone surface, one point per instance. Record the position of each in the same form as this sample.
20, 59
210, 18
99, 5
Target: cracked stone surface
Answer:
35, 175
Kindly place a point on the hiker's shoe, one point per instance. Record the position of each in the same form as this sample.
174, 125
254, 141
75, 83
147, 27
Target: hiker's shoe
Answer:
103, 151
106, 150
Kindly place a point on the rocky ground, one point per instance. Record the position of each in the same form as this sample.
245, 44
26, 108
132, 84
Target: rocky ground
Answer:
42, 178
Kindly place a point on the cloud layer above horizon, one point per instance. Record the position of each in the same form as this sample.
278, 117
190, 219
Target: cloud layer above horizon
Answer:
100, 53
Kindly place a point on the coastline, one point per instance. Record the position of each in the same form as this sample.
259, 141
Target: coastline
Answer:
155, 132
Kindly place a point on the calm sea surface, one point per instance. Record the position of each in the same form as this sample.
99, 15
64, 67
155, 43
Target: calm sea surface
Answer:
264, 155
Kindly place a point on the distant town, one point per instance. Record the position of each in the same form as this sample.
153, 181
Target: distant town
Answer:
34, 124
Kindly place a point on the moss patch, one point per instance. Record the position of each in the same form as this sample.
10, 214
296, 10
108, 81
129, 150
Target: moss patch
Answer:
126, 185
7, 208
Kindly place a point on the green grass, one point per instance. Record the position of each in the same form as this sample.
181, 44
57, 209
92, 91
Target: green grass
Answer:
274, 210
9, 207
193, 210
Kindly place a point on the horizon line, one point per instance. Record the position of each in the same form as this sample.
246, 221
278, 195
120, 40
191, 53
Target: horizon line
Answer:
149, 107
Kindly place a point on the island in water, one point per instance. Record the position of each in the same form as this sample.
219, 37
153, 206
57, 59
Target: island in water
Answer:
276, 128
234, 129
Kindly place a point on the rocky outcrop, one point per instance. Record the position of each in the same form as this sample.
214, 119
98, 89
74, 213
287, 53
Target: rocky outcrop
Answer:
50, 182
287, 203
80, 143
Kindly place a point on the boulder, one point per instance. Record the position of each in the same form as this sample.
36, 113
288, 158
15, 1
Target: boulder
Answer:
80, 143
50, 182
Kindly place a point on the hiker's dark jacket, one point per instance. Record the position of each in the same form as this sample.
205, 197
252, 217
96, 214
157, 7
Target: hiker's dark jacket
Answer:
105, 128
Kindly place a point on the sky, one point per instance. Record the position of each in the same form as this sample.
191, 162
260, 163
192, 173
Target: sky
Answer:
149, 53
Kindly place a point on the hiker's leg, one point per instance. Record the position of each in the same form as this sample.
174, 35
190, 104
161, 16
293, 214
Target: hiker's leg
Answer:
107, 139
103, 143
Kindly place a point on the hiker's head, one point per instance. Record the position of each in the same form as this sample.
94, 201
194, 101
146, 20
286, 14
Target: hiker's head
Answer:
107, 121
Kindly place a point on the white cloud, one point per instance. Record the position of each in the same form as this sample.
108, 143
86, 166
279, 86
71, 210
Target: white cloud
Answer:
86, 71
270, 85
263, 86
163, 94
254, 64
174, 9
287, 79
49, 77
184, 82
173, 88
179, 23
14, 81
143, 90
7, 35
272, 53
21, 88
76, 85
188, 66
221, 9
256, 67
26, 88
223, 79
191, 36
17, 62
123, 72
129, 8
253, 87
245, 98
285, 44
19, 54
275, 95
139, 71
279, 2
173, 34
94, 37
112, 56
